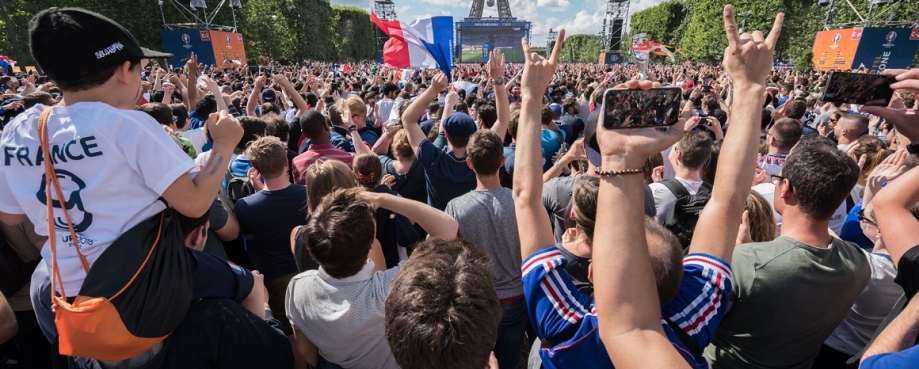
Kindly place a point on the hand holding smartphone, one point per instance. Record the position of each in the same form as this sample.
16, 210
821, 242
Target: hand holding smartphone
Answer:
657, 107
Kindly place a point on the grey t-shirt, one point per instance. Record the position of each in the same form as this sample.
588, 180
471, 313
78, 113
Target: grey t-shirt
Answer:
556, 194
487, 218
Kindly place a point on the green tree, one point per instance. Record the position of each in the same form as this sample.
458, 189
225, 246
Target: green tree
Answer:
582, 49
355, 33
660, 23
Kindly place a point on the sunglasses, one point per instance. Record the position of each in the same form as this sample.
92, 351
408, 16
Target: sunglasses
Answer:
862, 218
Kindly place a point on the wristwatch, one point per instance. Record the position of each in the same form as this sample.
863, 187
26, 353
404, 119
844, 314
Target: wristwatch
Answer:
913, 149
352, 128
498, 81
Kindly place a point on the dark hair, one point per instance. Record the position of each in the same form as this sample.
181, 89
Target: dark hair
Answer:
37, 97
795, 109
311, 99
442, 310
546, 115
666, 260
696, 149
159, 111
189, 225
91, 81
458, 142
312, 124
711, 166
368, 169
389, 88
180, 115
276, 126
206, 106
821, 177
488, 115
512, 125
787, 132
340, 232
485, 151
584, 205
268, 108
253, 128
434, 107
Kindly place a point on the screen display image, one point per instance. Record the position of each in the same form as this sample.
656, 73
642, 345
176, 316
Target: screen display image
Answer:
477, 40
658, 107
858, 88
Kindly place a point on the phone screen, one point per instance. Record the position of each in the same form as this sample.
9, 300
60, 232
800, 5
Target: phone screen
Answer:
658, 107
858, 88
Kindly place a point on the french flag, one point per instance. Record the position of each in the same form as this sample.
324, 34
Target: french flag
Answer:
426, 43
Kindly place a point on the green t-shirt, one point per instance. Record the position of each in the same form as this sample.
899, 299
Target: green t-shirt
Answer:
788, 297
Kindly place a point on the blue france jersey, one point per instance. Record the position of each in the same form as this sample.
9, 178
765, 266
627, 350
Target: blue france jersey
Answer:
554, 305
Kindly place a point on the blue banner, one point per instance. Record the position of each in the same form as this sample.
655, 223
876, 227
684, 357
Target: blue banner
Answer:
181, 43
886, 48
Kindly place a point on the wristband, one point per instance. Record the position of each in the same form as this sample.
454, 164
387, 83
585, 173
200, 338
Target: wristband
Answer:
352, 128
611, 173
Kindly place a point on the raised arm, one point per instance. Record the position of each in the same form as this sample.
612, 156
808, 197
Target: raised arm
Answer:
534, 227
899, 335
298, 101
192, 67
437, 223
747, 60
414, 112
891, 207
253, 97
496, 69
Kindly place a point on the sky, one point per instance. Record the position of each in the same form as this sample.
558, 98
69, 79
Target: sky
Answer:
575, 16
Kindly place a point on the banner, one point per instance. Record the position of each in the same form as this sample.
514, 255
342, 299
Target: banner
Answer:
228, 46
181, 43
876, 48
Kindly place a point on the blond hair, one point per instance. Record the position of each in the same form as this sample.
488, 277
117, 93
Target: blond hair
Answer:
268, 156
355, 104
762, 221
324, 177
401, 147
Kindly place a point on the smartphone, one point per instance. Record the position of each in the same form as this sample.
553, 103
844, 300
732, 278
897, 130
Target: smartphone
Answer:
657, 107
858, 88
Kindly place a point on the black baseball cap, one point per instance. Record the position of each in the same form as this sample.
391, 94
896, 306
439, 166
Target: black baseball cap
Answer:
72, 43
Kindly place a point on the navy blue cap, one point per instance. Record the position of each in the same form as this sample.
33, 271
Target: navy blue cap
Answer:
268, 96
459, 125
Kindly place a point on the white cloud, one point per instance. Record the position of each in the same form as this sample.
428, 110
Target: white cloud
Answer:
583, 22
450, 3
554, 4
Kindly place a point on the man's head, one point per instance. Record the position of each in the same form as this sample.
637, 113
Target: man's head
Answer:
206, 106
795, 109
443, 310
850, 126
194, 230
571, 106
556, 110
253, 128
162, 113
81, 50
180, 115
693, 150
276, 126
815, 180
485, 153
340, 232
313, 126
35, 98
457, 128
709, 104
269, 96
488, 115
390, 90
268, 156
784, 135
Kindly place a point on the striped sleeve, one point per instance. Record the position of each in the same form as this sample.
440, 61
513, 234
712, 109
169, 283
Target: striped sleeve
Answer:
703, 297
553, 302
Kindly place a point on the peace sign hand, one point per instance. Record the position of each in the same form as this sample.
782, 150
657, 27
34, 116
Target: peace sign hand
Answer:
748, 58
538, 71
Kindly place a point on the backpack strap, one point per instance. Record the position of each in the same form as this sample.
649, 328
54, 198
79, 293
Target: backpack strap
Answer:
705, 189
684, 337
676, 188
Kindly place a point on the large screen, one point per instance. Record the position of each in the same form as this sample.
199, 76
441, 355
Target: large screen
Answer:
476, 39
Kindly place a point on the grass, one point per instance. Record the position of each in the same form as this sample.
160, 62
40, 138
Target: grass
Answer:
511, 55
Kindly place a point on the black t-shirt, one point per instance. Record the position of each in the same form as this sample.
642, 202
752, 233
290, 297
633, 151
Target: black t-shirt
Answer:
908, 272
266, 218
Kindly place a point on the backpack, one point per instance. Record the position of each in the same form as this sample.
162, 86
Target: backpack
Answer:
14, 272
237, 186
682, 217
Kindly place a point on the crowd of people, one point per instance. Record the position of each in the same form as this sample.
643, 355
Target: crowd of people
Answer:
320, 215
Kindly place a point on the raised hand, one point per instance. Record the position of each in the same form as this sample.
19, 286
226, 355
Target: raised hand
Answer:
224, 129
905, 118
539, 71
439, 82
281, 80
496, 64
192, 65
748, 57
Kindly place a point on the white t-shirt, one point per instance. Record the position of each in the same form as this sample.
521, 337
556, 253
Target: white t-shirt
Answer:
113, 165
839, 218
767, 190
664, 199
197, 138
386, 107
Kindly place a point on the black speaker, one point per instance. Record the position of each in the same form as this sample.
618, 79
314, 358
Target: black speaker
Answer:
615, 38
823, 2
883, 2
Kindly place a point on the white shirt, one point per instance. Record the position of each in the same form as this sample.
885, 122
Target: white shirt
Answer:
767, 190
197, 138
344, 317
839, 218
394, 111
664, 199
385, 107
112, 164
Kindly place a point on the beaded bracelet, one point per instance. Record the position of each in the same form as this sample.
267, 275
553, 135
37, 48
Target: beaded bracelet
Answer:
610, 173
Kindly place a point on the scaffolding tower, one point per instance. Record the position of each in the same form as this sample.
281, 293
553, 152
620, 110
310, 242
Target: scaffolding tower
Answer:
617, 13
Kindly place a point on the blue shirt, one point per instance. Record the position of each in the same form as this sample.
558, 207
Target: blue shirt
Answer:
341, 139
905, 359
195, 120
447, 177
852, 229
368, 135
554, 304
550, 146
239, 167
427, 125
